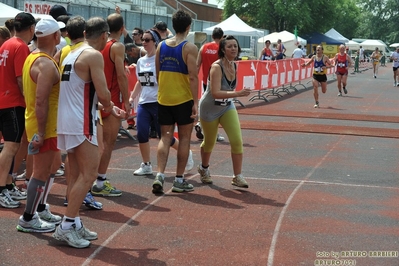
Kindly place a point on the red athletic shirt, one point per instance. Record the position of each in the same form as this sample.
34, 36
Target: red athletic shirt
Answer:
12, 57
209, 54
110, 74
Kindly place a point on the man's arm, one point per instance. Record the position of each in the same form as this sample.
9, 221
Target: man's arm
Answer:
199, 59
191, 58
45, 75
157, 62
95, 62
118, 56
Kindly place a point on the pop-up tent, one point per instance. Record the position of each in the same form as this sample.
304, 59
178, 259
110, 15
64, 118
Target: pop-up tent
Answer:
7, 12
394, 45
352, 45
372, 44
286, 37
318, 38
235, 26
333, 34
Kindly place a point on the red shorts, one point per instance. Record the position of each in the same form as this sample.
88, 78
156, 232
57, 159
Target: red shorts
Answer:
49, 144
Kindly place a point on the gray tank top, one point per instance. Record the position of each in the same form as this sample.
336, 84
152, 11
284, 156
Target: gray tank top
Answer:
211, 108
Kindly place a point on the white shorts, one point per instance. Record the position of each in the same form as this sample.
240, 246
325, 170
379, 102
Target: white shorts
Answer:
69, 142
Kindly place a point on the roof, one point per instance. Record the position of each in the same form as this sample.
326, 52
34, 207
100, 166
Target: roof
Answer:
333, 34
318, 38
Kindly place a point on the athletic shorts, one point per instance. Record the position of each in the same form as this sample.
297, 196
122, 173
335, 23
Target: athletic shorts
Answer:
342, 73
12, 123
177, 114
49, 144
395, 68
320, 78
69, 142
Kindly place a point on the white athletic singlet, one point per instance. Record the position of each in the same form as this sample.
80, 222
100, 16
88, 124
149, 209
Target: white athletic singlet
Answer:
77, 108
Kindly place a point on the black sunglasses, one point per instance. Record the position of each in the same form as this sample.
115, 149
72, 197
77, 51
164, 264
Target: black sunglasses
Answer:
135, 33
146, 40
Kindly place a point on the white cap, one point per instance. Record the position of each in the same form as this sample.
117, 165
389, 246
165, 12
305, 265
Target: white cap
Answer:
47, 26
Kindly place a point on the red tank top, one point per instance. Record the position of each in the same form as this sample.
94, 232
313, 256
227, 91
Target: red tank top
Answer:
209, 54
341, 62
110, 73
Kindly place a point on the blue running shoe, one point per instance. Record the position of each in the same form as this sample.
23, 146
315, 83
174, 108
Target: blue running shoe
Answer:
90, 202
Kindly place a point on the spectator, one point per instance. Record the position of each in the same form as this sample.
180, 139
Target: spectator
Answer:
163, 30
298, 52
58, 10
10, 26
5, 34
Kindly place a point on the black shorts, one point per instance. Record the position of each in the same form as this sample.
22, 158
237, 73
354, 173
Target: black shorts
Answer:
395, 68
12, 123
177, 114
320, 78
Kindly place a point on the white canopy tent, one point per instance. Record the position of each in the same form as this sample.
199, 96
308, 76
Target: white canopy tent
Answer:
7, 12
286, 37
394, 45
333, 34
235, 26
352, 45
372, 44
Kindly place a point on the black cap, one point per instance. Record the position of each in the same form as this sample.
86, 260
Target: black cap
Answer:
23, 20
58, 10
161, 26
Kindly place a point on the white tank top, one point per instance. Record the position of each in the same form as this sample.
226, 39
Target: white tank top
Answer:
77, 107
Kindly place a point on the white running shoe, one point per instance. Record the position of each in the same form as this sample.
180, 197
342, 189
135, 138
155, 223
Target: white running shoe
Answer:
6, 200
16, 194
36, 225
219, 138
190, 161
87, 234
47, 216
239, 181
316, 105
339, 94
145, 169
71, 236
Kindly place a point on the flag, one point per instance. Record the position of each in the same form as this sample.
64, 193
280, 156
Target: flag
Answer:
296, 36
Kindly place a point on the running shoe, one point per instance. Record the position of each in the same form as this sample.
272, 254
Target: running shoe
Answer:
90, 202
21, 176
190, 161
47, 216
239, 181
345, 90
394, 84
106, 190
145, 169
16, 194
219, 138
71, 236
205, 175
36, 225
316, 105
339, 94
198, 130
87, 234
6, 201
182, 187
59, 172
157, 186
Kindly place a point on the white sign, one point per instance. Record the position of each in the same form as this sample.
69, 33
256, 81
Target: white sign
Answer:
39, 7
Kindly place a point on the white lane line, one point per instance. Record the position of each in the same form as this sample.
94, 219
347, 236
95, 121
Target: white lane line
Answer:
287, 204
285, 180
122, 227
